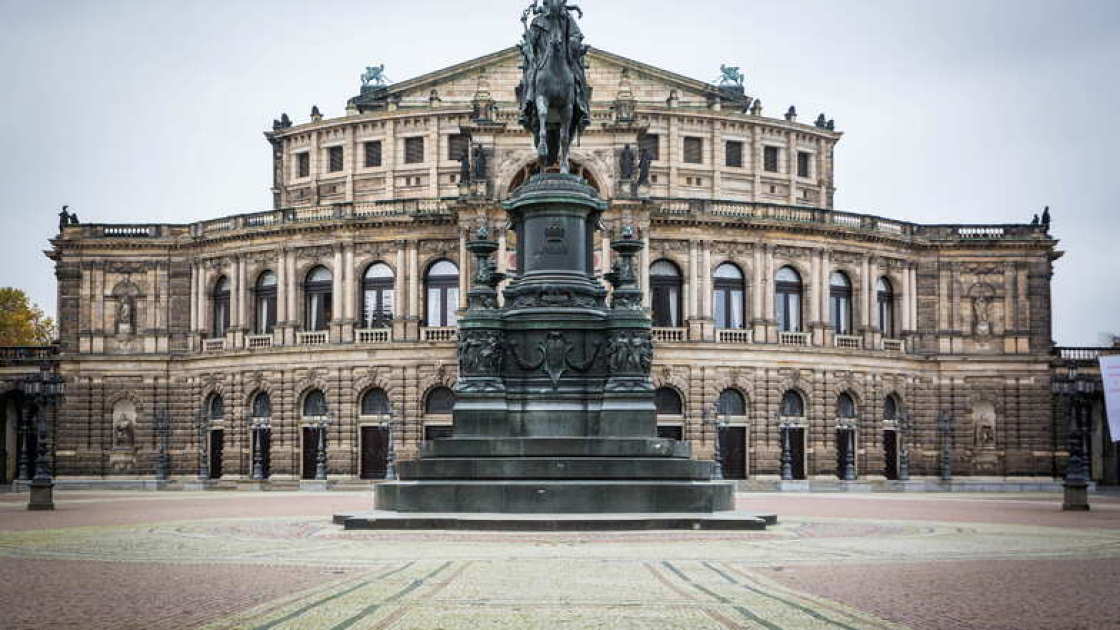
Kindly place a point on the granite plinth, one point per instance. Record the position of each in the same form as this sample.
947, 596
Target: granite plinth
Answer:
602, 468
387, 520
556, 447
554, 496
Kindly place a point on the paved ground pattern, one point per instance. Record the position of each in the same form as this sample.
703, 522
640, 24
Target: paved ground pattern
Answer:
227, 560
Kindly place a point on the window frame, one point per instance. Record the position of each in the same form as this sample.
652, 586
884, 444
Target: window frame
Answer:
805, 158
451, 141
840, 303
428, 399
886, 311
265, 296
727, 153
368, 152
219, 308
381, 287
215, 407
323, 289
303, 164
306, 401
786, 294
692, 147
408, 157
676, 410
336, 157
384, 410
739, 396
771, 156
667, 291
254, 406
723, 290
784, 406
447, 287
846, 408
651, 141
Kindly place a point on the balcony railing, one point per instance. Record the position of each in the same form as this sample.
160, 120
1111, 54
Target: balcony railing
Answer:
793, 338
1083, 354
734, 335
213, 345
894, 345
850, 342
670, 335
255, 342
312, 338
373, 335
442, 333
27, 354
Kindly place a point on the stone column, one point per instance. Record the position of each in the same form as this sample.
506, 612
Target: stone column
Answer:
294, 315
336, 295
861, 297
758, 287
791, 168
907, 295
912, 273
756, 162
647, 300
349, 289
242, 324
464, 267
282, 313
414, 315
194, 295
706, 290
768, 307
400, 279
816, 325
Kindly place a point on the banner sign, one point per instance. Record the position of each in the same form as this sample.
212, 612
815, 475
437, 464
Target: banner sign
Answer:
1110, 375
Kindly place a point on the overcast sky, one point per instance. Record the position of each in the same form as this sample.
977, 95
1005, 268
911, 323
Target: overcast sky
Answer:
976, 111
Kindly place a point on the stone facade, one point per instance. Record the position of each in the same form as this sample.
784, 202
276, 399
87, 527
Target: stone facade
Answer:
969, 309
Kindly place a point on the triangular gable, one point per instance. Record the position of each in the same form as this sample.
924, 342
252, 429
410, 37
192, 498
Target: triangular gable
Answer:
500, 73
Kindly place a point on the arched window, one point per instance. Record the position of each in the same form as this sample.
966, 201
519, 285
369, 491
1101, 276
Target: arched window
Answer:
265, 309
215, 407
845, 406
840, 302
440, 400
890, 408
665, 288
314, 404
262, 405
668, 402
375, 403
787, 299
317, 295
793, 406
442, 288
731, 403
885, 294
729, 296
220, 302
377, 296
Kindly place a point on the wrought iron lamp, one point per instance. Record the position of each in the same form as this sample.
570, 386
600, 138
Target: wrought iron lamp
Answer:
390, 449
44, 390
718, 423
1075, 391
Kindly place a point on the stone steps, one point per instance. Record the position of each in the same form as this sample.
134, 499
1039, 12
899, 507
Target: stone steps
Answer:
636, 468
556, 447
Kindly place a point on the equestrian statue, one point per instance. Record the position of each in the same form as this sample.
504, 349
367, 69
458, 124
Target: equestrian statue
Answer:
553, 93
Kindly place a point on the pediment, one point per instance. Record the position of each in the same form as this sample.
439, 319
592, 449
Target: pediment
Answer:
499, 73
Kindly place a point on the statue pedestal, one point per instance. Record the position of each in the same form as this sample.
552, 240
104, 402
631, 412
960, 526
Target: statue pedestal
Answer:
554, 411
42, 495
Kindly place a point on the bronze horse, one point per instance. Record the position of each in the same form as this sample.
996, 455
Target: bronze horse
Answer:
551, 111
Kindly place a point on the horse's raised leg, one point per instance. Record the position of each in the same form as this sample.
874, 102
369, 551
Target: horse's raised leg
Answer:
542, 120
565, 137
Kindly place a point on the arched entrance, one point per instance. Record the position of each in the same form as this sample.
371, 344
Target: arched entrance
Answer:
532, 169
9, 436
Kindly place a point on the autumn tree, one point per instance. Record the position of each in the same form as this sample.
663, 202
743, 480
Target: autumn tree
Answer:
21, 322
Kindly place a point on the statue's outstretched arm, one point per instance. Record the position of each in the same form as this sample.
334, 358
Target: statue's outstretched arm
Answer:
572, 7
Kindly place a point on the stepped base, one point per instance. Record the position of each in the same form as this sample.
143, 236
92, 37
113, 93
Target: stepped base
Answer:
556, 447
554, 522
568, 468
558, 497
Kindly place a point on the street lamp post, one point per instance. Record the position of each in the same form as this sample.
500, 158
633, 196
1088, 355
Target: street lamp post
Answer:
44, 390
904, 447
1075, 485
321, 450
945, 426
848, 464
202, 426
390, 449
717, 423
787, 455
163, 427
260, 427
23, 471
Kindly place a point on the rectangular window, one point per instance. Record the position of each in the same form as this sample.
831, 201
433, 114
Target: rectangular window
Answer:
651, 142
303, 165
770, 159
734, 154
803, 163
413, 150
458, 145
373, 153
694, 150
334, 159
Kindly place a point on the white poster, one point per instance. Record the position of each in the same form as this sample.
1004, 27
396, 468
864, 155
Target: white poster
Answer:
1110, 374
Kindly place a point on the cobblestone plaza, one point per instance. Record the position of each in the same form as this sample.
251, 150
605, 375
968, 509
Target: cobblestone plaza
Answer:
223, 560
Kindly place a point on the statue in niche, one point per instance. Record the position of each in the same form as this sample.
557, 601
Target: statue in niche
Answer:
464, 168
125, 317
123, 435
643, 166
984, 418
626, 163
981, 295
